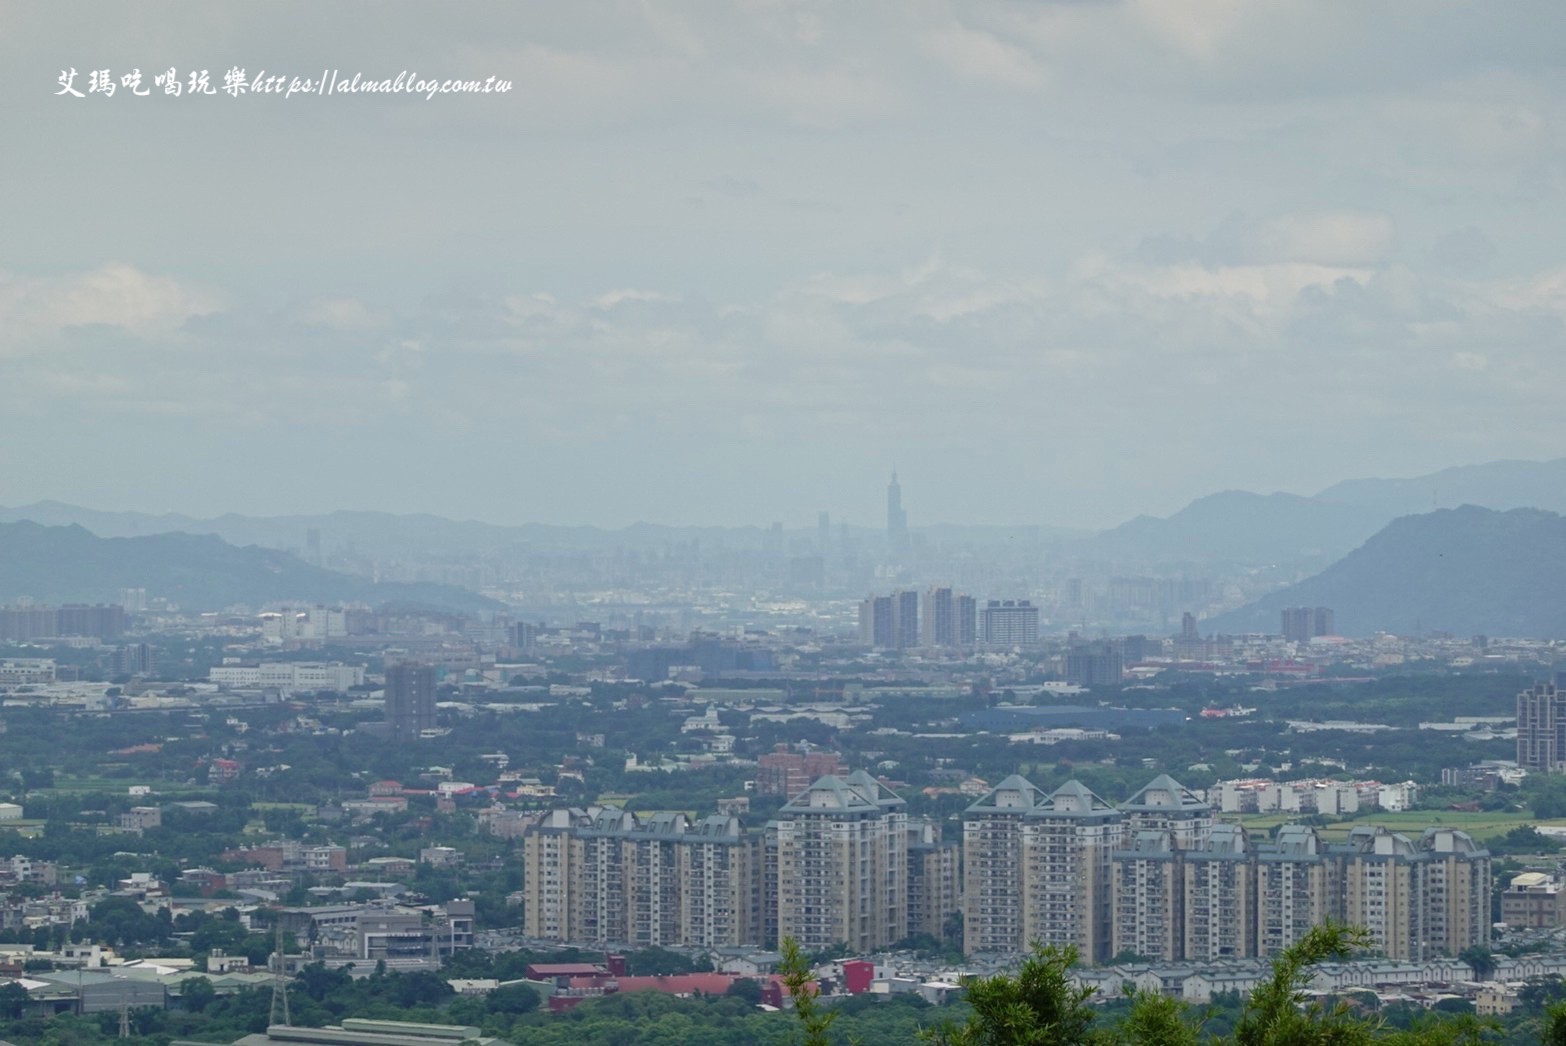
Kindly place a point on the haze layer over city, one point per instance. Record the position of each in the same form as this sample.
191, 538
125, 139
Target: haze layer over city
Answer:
772, 522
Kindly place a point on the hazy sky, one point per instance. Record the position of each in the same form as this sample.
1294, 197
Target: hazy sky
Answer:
732, 262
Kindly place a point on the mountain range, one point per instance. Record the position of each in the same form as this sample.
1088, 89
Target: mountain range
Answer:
1234, 528
59, 564
1466, 571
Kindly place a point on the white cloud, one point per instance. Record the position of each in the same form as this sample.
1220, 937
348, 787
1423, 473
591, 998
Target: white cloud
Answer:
35, 311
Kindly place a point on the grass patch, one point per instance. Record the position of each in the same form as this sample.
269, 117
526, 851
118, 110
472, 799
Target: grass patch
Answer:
1482, 825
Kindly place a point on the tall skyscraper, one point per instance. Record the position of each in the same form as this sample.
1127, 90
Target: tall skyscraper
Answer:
896, 518
824, 533
410, 699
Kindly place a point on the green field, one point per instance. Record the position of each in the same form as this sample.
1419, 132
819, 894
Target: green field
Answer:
118, 785
1482, 826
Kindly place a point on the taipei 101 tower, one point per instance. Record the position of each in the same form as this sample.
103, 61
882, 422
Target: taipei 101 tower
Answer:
896, 518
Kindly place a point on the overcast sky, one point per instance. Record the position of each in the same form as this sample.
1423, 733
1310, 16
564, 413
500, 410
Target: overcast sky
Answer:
733, 262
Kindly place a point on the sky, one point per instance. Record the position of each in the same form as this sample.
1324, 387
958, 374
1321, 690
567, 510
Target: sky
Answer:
733, 262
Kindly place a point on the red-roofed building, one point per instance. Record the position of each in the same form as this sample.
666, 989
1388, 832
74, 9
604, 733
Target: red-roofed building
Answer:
575, 989
545, 971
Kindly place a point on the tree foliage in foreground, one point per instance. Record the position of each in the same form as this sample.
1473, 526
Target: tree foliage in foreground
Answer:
1042, 1005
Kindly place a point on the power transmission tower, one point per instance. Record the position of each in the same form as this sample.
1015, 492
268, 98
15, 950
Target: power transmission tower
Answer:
125, 1013
279, 981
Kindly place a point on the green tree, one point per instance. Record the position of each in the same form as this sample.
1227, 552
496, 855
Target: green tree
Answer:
13, 999
1480, 960
800, 981
1553, 1031
1156, 1018
197, 993
1275, 1014
1040, 1006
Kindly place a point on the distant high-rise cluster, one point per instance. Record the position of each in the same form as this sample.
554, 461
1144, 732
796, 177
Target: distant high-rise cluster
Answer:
1157, 877
905, 619
25, 623
1302, 624
841, 863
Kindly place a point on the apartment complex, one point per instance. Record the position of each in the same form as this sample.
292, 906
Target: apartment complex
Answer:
1156, 877
841, 863
604, 875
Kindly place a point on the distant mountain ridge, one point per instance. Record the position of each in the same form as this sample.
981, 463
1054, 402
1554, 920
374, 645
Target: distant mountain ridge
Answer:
197, 571
1294, 532
1466, 571
394, 534
1496, 484
1236, 526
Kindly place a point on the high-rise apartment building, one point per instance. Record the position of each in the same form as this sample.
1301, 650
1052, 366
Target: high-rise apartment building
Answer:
1302, 624
1100, 663
1010, 623
719, 890
875, 622
609, 877
24, 623
842, 865
890, 622
1148, 900
548, 876
1068, 841
1185, 888
1296, 888
410, 699
938, 618
1541, 729
993, 863
1384, 884
1037, 868
905, 619
1164, 804
966, 614
1220, 897
933, 888
1458, 888
948, 619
